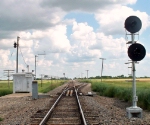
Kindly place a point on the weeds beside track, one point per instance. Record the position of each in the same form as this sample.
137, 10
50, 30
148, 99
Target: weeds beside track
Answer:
122, 89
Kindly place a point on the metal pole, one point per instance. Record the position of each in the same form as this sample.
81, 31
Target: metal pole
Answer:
101, 70
134, 97
41, 79
87, 73
8, 75
28, 67
35, 63
51, 82
35, 66
17, 54
102, 67
8, 79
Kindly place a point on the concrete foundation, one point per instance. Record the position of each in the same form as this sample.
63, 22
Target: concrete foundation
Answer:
134, 112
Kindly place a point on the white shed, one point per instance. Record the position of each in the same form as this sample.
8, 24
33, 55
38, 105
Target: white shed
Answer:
22, 82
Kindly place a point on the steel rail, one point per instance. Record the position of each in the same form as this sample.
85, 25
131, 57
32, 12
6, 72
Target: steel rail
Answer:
81, 111
81, 86
56, 102
51, 109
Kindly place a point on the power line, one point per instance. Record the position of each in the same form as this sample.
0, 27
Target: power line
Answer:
11, 54
22, 56
9, 73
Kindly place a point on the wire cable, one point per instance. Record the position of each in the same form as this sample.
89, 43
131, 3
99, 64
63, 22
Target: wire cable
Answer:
22, 55
11, 55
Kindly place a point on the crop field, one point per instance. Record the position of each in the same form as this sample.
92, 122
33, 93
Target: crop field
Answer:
43, 87
47, 85
6, 88
122, 89
126, 83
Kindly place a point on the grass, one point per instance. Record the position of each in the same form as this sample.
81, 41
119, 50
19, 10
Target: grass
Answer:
5, 88
46, 86
1, 119
122, 89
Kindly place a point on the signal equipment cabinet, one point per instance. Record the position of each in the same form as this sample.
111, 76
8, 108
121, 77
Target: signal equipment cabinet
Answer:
22, 82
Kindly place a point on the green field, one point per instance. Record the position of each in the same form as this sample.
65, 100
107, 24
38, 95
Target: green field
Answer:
5, 88
122, 89
43, 87
48, 85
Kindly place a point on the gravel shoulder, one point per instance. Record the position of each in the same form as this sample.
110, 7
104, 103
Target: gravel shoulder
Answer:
111, 111
17, 110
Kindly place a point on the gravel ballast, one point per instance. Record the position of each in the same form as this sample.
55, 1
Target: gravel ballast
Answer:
18, 110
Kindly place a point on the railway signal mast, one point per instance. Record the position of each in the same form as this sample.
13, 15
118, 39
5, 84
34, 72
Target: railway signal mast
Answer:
136, 52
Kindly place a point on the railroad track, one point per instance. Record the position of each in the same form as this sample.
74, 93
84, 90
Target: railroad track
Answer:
66, 110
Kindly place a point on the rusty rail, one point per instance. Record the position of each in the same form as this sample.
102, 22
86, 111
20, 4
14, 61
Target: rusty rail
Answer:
81, 111
51, 109
57, 101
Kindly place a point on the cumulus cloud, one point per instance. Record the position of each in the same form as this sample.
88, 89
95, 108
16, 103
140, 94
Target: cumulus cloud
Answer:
88, 46
5, 60
44, 63
53, 40
17, 15
109, 46
82, 38
6, 43
84, 5
83, 34
42, 29
112, 20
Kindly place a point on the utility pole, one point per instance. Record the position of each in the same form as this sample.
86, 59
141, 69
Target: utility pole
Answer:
102, 67
64, 75
17, 53
36, 61
28, 67
35, 66
17, 45
51, 82
42, 54
8, 75
87, 73
41, 79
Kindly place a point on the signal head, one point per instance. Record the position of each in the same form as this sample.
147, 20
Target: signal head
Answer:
15, 45
136, 52
133, 24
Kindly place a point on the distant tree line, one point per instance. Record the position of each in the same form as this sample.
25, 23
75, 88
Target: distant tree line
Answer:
52, 78
111, 77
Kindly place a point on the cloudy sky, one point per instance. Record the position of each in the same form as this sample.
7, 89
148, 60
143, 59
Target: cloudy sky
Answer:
73, 35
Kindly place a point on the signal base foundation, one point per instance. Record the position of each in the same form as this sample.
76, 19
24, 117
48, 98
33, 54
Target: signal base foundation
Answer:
134, 112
